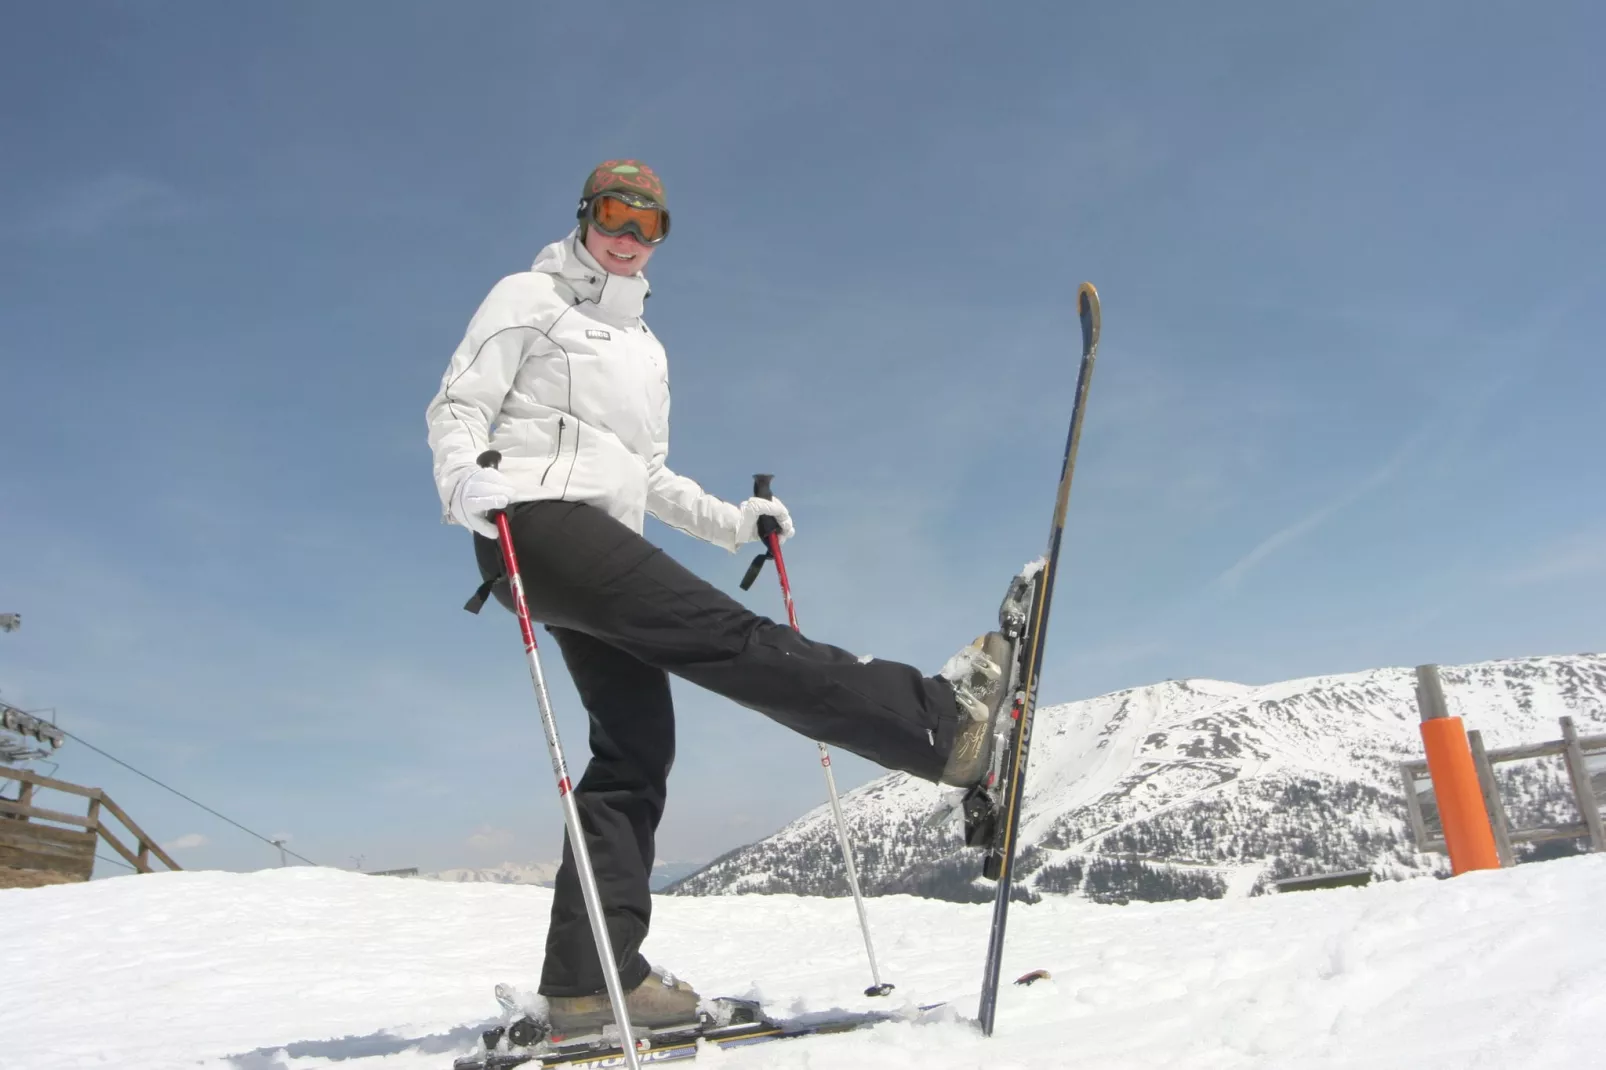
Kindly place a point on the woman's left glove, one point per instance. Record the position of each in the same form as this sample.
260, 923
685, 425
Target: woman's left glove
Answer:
482, 491
754, 508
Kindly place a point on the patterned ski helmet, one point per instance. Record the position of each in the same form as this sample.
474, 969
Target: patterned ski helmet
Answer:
629, 176
622, 176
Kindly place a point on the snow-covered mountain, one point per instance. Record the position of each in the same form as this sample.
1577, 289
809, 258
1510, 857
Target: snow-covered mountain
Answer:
665, 874
544, 873
1196, 788
538, 873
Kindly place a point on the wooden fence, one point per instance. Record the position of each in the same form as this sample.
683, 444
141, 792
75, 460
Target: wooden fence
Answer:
41, 846
1585, 757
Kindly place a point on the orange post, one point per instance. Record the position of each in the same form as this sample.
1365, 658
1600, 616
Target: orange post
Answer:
1467, 832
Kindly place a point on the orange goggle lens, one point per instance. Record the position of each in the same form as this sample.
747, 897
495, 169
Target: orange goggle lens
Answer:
614, 216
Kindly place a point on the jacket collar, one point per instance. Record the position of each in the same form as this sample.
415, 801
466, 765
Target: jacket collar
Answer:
569, 260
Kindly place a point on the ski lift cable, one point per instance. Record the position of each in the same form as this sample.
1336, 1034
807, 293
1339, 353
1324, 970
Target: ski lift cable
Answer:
186, 798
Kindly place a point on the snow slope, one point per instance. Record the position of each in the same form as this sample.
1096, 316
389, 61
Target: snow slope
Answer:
300, 968
1198, 788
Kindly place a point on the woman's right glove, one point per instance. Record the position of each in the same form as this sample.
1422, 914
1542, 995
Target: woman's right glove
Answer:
482, 491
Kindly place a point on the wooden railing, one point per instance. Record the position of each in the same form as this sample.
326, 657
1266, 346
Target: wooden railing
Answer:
1579, 753
56, 842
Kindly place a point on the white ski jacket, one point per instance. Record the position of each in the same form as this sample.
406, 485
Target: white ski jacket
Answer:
559, 373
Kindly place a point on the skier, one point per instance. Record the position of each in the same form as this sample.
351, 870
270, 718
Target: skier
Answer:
559, 373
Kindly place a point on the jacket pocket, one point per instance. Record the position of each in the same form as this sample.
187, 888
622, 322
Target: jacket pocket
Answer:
557, 449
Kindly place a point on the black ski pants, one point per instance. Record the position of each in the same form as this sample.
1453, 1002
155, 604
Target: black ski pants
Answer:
625, 615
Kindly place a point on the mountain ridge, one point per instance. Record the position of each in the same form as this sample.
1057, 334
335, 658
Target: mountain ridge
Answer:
1196, 787
543, 874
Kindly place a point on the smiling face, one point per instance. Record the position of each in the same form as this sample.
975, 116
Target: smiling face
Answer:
622, 255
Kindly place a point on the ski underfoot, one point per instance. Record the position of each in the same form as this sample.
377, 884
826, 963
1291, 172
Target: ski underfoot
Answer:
725, 1023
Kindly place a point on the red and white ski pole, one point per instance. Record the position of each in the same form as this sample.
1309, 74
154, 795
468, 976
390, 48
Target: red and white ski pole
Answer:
769, 529
560, 769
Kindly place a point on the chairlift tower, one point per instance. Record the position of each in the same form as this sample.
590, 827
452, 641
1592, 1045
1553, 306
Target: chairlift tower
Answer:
46, 845
26, 737
23, 736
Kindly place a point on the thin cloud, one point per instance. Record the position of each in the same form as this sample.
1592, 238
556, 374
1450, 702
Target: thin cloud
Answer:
1530, 342
487, 837
119, 199
1574, 557
1292, 533
188, 842
1452, 421
1121, 652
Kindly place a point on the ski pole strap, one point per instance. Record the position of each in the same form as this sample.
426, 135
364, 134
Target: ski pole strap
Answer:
481, 595
754, 569
767, 526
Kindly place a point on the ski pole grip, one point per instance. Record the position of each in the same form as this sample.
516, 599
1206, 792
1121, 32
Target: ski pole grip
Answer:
767, 525
491, 459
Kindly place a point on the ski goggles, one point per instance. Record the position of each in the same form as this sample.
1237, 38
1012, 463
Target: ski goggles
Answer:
615, 213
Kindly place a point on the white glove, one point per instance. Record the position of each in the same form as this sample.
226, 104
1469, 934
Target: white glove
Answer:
752, 509
482, 491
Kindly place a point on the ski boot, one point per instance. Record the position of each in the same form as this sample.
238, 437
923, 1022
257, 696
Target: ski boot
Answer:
983, 774
978, 676
660, 1002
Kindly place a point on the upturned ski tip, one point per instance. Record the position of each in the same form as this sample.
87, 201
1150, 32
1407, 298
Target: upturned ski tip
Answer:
1087, 307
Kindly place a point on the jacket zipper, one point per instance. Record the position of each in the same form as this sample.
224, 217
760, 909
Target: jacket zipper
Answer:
555, 453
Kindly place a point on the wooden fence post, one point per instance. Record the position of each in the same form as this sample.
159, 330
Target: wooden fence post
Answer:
1467, 834
66, 841
1413, 806
1583, 791
1491, 799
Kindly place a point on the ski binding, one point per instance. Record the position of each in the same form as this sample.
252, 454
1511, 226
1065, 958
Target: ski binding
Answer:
982, 803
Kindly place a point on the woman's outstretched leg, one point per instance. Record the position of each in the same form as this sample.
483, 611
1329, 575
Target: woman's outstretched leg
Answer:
586, 571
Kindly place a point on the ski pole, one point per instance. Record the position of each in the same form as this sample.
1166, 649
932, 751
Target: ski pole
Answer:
560, 769
769, 529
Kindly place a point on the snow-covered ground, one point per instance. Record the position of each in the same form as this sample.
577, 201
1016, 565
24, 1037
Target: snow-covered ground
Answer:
308, 968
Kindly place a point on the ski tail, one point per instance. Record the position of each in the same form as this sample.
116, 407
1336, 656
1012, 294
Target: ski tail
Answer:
999, 864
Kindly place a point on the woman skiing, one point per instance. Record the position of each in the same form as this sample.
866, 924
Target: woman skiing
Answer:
559, 373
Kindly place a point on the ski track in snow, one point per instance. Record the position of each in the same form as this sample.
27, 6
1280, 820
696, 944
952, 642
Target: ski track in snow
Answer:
298, 968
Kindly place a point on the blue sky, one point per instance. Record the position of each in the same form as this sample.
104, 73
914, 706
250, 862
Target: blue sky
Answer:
1347, 412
